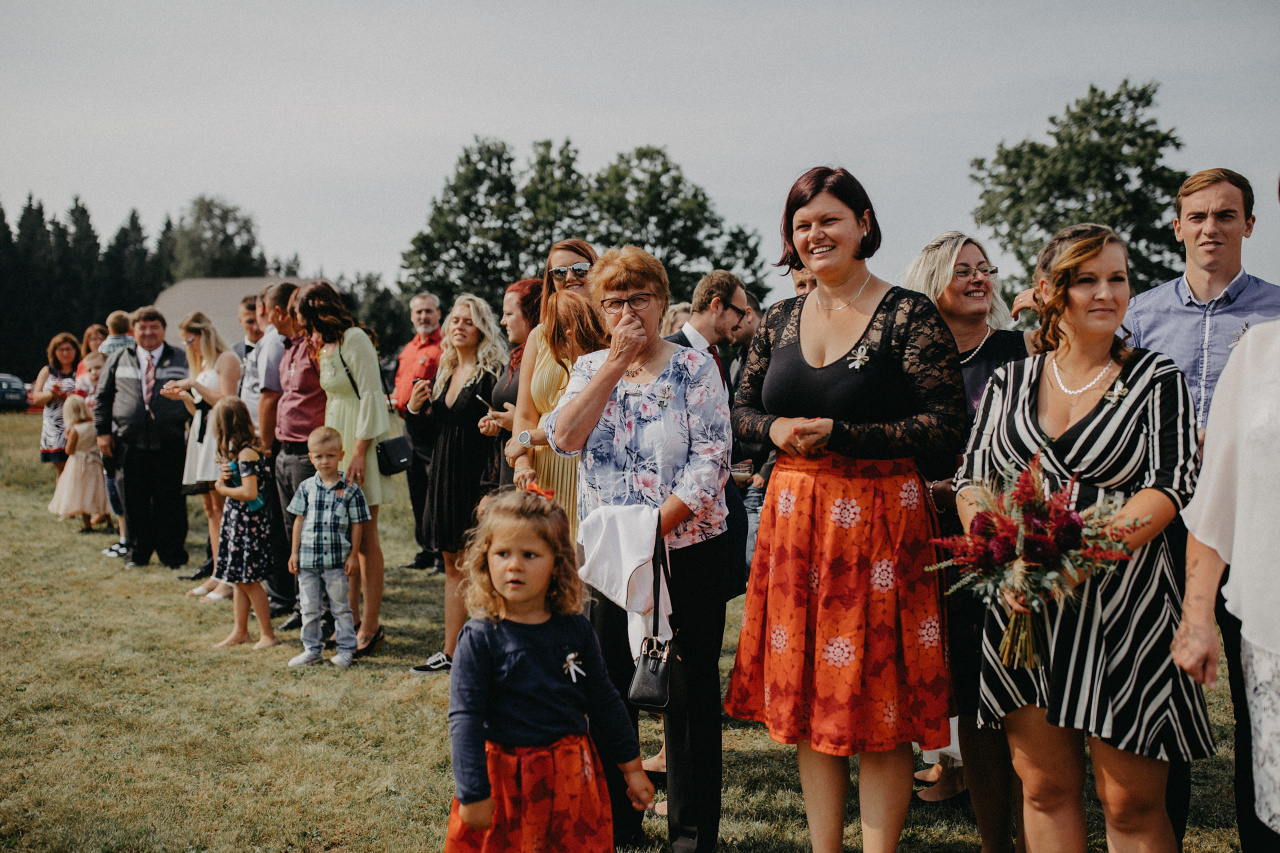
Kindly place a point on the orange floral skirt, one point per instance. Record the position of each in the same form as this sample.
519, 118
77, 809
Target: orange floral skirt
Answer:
546, 798
843, 642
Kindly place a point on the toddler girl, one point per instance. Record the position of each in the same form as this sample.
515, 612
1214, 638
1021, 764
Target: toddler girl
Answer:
82, 488
527, 673
244, 538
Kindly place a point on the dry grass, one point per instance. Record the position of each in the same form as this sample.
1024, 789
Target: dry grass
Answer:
123, 730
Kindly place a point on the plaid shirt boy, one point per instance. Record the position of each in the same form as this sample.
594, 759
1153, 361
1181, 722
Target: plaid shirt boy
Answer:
328, 514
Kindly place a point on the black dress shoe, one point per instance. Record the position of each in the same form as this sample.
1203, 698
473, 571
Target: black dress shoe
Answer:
130, 564
281, 610
293, 623
202, 571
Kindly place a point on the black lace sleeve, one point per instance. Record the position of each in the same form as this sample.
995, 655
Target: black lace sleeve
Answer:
930, 363
749, 419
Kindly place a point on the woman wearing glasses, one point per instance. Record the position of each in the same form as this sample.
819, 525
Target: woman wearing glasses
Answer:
841, 651
650, 422
542, 381
954, 272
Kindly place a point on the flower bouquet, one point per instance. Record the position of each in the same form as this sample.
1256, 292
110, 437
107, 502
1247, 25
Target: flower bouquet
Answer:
1036, 547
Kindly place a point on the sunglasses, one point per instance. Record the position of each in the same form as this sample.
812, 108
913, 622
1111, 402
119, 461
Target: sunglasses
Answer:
578, 270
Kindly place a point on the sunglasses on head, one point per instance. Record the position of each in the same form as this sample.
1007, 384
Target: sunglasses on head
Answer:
579, 271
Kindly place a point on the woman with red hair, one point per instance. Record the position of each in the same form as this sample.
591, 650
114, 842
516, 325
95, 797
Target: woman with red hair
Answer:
521, 310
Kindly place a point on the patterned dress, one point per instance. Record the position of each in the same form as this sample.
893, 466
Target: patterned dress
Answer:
53, 440
1108, 669
842, 639
244, 540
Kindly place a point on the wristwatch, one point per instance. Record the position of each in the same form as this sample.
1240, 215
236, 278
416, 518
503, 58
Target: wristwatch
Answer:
525, 439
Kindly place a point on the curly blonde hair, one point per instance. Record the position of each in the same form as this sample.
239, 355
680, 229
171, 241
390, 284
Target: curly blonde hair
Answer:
1059, 265
510, 505
491, 352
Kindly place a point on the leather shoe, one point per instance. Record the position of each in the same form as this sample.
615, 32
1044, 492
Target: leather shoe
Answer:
293, 623
130, 564
202, 571
416, 564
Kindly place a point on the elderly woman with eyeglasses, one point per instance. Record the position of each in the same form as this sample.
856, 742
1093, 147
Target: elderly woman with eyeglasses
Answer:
649, 422
542, 382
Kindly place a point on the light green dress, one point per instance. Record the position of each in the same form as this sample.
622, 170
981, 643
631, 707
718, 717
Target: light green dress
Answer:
362, 417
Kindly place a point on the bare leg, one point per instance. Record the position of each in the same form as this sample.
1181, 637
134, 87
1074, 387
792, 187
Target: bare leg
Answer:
988, 771
930, 774
213, 505
57, 468
1131, 788
257, 596
658, 763
455, 612
824, 780
950, 781
371, 571
884, 795
240, 632
1050, 762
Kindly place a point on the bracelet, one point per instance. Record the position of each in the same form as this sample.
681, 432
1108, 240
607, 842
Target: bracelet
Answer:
932, 496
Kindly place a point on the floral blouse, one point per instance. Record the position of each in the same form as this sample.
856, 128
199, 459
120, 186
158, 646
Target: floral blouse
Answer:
669, 436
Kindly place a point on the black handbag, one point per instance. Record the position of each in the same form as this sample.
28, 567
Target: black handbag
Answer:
394, 454
650, 688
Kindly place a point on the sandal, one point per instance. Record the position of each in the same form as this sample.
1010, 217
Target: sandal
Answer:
371, 646
218, 595
199, 591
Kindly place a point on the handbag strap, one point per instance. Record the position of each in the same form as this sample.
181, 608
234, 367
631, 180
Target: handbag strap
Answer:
659, 569
350, 378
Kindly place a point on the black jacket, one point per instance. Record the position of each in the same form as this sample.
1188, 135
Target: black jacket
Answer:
119, 410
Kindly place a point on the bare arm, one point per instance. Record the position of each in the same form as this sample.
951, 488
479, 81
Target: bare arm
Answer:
267, 405
1195, 647
526, 413
39, 396
297, 544
352, 564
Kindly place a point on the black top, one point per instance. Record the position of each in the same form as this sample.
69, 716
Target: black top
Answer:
895, 394
530, 685
505, 390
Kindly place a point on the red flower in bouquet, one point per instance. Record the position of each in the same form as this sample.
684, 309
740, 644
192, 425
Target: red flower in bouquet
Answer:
1034, 546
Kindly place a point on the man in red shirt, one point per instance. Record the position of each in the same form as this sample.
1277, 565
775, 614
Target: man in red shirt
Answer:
419, 360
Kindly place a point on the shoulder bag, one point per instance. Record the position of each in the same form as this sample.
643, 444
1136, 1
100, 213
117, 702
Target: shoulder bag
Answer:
651, 685
394, 454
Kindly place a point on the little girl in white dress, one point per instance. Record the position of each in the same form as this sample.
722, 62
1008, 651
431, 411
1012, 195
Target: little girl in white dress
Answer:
82, 488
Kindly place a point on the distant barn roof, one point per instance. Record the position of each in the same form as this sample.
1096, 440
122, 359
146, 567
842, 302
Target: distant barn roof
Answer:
219, 298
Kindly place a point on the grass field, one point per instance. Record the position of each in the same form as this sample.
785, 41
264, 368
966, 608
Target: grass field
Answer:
123, 730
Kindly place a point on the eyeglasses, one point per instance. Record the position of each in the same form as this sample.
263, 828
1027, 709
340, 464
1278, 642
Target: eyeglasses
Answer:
967, 273
742, 315
579, 271
638, 302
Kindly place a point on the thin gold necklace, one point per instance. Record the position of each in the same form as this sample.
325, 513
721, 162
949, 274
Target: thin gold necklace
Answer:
851, 301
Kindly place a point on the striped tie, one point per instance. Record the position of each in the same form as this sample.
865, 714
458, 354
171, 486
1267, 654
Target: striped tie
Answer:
148, 380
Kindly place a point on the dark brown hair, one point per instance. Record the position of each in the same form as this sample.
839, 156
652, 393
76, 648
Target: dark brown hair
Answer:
510, 505
84, 340
322, 311
149, 314
58, 340
581, 248
278, 296
1059, 265
717, 283
528, 293
845, 187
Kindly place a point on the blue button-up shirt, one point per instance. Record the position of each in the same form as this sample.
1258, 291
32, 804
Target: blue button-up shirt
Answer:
1199, 336
328, 515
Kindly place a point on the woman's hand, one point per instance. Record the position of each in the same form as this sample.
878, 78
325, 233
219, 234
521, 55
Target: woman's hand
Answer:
1017, 602
355, 470
489, 426
800, 436
506, 418
478, 815
173, 391
1195, 649
944, 498
514, 450
629, 340
523, 477
419, 396
1024, 301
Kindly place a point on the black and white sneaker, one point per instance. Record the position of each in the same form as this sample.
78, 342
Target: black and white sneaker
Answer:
116, 550
439, 662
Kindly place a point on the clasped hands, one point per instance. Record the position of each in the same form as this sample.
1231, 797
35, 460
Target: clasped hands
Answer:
801, 436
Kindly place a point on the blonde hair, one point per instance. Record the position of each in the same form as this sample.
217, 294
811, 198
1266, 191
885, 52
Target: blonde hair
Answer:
491, 352
669, 325
932, 270
75, 411
209, 344
324, 435
510, 505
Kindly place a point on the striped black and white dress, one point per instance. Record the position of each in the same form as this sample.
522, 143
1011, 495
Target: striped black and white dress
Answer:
1106, 666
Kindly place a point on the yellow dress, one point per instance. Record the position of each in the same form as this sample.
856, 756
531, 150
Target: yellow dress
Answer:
554, 471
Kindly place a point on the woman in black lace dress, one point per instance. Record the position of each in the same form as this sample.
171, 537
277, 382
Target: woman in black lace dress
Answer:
841, 650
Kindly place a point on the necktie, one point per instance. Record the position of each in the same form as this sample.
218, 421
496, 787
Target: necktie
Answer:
715, 354
148, 380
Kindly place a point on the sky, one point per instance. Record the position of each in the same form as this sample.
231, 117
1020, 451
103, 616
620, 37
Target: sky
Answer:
335, 124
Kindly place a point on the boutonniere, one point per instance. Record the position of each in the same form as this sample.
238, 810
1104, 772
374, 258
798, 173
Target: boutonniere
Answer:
1238, 337
573, 667
665, 395
1117, 393
859, 357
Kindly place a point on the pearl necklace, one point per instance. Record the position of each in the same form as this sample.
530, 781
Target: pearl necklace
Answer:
1077, 393
970, 356
851, 301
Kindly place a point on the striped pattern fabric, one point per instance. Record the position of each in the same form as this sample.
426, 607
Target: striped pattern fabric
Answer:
1106, 665
149, 379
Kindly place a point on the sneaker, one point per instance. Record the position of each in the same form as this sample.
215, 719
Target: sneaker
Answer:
341, 660
116, 550
305, 659
439, 662
293, 623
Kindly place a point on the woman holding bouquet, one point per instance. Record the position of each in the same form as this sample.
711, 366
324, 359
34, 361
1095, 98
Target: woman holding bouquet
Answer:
841, 651
1119, 421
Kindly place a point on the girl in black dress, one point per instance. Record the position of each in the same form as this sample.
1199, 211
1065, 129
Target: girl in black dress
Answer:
445, 416
521, 308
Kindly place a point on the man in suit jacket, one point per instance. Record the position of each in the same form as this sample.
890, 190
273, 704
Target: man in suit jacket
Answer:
145, 433
719, 307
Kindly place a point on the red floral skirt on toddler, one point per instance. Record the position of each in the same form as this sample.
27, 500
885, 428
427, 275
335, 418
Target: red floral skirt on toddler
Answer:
546, 798
843, 642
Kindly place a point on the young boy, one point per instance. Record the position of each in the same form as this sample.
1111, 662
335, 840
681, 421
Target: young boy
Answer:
331, 514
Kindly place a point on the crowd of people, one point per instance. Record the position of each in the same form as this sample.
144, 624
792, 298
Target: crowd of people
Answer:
808, 454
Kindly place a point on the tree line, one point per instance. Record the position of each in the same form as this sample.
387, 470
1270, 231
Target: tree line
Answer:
495, 219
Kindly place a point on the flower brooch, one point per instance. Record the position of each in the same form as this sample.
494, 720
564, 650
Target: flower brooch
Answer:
1117, 393
859, 357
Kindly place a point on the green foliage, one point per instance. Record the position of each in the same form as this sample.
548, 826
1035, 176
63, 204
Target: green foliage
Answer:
215, 239
1104, 164
493, 223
